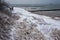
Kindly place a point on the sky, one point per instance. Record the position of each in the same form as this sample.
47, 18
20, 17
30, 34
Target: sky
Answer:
34, 1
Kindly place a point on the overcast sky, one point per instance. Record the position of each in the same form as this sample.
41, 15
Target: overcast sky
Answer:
34, 1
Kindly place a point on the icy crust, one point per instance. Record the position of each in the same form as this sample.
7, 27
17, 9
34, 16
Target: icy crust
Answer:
31, 26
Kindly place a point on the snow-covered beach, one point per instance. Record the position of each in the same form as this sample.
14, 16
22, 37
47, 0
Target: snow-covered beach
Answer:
31, 26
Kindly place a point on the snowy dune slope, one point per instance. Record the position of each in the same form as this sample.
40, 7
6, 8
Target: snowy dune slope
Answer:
43, 24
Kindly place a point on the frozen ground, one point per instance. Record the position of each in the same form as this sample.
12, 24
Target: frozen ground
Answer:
31, 26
